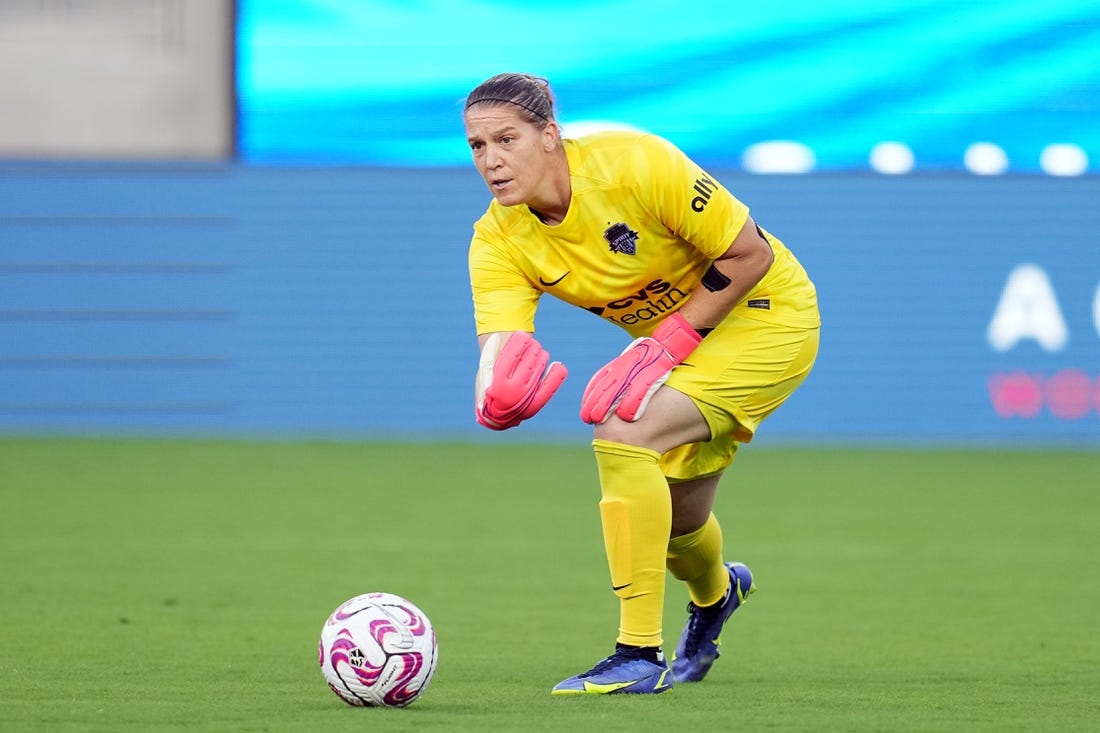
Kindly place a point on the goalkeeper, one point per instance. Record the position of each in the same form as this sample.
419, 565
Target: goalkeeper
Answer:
725, 322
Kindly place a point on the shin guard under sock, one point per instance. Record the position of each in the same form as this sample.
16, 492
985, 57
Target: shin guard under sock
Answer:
636, 514
696, 559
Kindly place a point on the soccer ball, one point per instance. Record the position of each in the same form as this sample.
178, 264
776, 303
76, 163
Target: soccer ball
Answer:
378, 650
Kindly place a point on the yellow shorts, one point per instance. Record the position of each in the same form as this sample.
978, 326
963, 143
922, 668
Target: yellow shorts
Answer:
740, 374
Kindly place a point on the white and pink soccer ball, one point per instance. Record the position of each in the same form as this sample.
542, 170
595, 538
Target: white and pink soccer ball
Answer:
378, 650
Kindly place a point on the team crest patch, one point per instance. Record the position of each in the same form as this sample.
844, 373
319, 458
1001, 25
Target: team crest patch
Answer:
621, 238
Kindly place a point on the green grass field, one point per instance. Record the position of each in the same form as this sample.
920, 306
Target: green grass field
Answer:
160, 585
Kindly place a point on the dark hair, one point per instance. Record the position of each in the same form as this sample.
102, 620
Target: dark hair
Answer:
530, 93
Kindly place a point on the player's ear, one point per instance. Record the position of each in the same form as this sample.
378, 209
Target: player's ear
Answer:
551, 136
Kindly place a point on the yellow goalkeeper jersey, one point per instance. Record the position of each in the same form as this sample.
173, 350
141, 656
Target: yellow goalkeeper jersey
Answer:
644, 225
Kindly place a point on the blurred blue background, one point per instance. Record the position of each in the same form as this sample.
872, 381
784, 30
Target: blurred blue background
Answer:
383, 82
334, 301
316, 284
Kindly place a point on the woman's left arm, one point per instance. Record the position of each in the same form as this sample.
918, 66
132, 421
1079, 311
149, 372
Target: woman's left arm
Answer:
730, 278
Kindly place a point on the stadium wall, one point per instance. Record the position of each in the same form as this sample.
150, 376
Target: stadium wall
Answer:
126, 79
233, 300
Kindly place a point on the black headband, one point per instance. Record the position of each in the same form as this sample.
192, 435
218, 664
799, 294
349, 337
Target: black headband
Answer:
507, 101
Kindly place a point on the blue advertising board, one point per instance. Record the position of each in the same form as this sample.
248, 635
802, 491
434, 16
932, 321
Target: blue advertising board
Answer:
334, 302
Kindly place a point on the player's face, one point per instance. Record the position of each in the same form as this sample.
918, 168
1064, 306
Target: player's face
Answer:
510, 153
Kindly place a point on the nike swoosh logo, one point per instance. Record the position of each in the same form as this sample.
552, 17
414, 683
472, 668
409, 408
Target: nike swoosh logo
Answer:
607, 689
555, 282
613, 687
620, 587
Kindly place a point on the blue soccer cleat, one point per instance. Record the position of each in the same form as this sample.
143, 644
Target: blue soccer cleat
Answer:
698, 646
624, 672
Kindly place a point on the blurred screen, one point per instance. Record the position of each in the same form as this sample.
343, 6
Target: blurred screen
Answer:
911, 85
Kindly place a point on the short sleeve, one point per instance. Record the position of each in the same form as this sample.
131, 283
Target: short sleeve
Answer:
687, 199
504, 299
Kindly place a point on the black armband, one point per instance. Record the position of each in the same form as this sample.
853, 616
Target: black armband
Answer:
714, 280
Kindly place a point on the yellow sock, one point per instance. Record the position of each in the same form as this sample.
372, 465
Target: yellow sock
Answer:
636, 513
696, 559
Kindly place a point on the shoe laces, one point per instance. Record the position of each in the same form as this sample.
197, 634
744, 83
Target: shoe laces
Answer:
698, 619
621, 656
694, 629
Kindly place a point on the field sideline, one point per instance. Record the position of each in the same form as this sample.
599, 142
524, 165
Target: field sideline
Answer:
181, 585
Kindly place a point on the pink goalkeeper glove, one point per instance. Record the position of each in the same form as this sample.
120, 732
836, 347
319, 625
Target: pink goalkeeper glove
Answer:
628, 381
513, 380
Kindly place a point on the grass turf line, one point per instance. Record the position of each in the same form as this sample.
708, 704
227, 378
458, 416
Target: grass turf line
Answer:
168, 585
